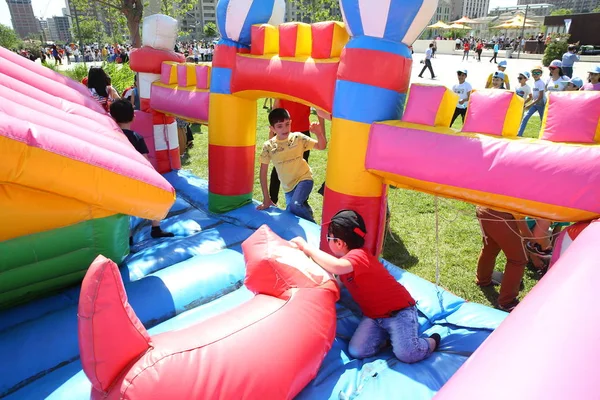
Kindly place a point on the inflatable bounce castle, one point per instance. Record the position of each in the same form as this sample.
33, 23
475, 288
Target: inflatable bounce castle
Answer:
227, 308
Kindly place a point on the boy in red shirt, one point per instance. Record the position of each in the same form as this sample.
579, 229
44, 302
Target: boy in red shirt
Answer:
389, 310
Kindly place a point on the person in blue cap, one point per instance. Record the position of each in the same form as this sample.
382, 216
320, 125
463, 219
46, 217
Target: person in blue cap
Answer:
524, 90
593, 79
463, 90
501, 68
574, 84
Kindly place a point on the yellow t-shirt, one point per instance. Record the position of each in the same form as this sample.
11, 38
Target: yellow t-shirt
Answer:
287, 158
489, 81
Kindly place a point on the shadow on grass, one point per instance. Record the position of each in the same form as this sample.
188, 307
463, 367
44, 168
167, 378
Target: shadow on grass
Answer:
395, 251
491, 294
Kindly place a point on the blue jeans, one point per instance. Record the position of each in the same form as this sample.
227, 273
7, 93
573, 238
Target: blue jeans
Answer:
402, 329
532, 110
297, 200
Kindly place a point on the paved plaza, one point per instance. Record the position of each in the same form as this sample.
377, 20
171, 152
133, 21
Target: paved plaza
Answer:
445, 67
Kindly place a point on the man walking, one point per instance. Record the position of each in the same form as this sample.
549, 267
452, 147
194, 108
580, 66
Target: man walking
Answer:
427, 61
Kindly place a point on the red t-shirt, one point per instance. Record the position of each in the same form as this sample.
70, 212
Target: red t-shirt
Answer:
299, 113
372, 287
467, 46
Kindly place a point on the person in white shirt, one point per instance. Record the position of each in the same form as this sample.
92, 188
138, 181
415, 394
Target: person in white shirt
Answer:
538, 99
557, 81
524, 90
463, 90
427, 62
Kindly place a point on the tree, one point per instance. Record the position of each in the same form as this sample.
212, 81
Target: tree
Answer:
91, 31
8, 37
556, 48
562, 11
318, 10
210, 30
596, 10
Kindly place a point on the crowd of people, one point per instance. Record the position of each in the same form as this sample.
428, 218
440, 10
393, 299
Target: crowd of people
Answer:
196, 51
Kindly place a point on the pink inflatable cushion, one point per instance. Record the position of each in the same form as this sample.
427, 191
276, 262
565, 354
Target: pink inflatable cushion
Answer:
202, 76
110, 334
487, 111
423, 104
560, 125
273, 266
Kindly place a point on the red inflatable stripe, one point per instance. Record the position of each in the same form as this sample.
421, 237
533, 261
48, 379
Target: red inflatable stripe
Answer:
231, 170
370, 208
312, 82
168, 160
358, 65
149, 60
322, 33
288, 37
225, 56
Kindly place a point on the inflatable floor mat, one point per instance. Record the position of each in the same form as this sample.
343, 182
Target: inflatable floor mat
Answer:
173, 283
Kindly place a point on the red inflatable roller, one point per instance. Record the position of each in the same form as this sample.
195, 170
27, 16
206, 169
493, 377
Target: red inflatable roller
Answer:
270, 347
149, 60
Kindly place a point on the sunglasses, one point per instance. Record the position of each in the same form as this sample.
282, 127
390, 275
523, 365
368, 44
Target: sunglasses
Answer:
330, 238
536, 73
459, 73
521, 77
552, 68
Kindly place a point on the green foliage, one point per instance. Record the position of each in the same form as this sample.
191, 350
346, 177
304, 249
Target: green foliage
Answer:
318, 10
210, 30
596, 10
8, 37
120, 74
562, 11
177, 8
32, 46
90, 31
556, 48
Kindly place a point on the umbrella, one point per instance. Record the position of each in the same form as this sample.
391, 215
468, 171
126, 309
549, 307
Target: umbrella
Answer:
465, 20
513, 25
439, 25
460, 27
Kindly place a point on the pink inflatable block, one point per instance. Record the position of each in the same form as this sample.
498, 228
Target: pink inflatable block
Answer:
552, 174
182, 76
184, 103
202, 76
561, 126
166, 70
423, 104
142, 124
547, 348
487, 111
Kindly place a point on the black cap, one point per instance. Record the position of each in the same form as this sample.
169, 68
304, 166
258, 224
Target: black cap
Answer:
350, 221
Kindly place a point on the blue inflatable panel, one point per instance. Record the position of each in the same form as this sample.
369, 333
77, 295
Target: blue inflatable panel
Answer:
69, 381
154, 298
174, 283
168, 251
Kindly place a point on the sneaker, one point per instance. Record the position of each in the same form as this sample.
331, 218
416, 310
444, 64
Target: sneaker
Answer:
509, 306
536, 249
437, 338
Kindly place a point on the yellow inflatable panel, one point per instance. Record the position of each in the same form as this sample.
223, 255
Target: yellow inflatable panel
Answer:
346, 172
24, 215
227, 131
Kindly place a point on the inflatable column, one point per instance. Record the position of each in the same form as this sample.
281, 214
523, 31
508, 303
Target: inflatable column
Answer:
373, 79
232, 120
159, 33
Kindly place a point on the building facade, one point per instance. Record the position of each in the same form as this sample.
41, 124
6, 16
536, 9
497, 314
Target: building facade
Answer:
475, 8
59, 29
193, 22
24, 22
576, 6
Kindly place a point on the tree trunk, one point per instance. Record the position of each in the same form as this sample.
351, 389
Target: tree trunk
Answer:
134, 11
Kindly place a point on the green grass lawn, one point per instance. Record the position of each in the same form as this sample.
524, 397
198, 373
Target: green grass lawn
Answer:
411, 240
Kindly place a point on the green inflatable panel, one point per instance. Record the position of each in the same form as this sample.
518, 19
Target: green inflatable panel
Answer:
221, 204
37, 265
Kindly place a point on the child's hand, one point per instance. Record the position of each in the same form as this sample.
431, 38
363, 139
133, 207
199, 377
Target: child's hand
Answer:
316, 128
266, 204
299, 242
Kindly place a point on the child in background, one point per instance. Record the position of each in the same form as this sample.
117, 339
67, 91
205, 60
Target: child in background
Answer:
574, 84
122, 112
524, 91
498, 80
557, 81
501, 68
286, 149
389, 310
538, 99
593, 79
463, 90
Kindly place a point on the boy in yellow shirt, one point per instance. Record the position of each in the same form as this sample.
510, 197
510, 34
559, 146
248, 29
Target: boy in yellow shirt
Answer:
285, 150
